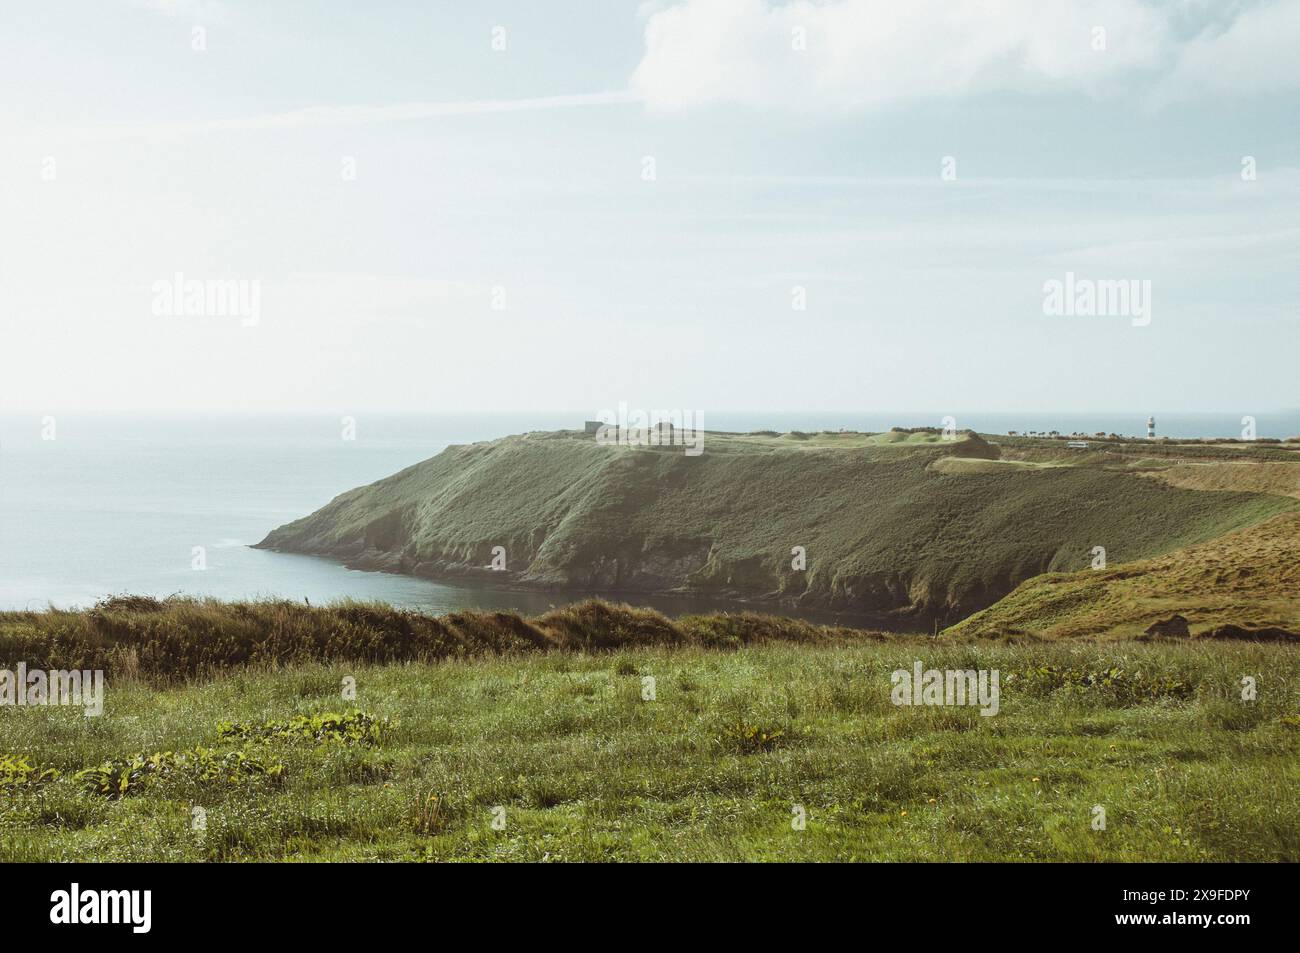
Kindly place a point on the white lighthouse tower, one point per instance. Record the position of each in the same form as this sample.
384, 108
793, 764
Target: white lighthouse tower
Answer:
1151, 428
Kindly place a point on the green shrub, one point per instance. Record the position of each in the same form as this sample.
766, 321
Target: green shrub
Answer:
17, 771
747, 736
132, 774
350, 728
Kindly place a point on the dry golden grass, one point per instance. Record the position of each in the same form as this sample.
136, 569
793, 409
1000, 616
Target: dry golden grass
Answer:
1250, 578
182, 639
1282, 479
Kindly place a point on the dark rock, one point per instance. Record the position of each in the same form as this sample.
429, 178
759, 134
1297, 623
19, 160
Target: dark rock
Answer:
1173, 627
1262, 634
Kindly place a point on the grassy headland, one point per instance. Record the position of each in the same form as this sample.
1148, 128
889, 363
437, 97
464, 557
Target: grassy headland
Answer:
904, 524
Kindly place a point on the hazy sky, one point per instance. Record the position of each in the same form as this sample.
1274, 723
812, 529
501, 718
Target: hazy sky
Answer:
437, 223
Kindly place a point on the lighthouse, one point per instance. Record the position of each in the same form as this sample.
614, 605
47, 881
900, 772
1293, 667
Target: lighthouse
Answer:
1151, 428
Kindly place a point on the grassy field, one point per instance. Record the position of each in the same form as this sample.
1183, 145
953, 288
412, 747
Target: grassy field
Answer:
907, 525
556, 741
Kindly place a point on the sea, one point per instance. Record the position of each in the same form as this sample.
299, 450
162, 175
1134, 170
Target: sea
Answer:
96, 505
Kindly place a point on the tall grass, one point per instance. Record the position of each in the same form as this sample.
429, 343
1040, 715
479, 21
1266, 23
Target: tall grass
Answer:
184, 638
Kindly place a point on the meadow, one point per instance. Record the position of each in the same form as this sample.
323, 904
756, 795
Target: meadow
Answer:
564, 750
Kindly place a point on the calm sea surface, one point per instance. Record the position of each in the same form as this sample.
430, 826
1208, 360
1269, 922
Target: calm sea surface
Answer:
117, 504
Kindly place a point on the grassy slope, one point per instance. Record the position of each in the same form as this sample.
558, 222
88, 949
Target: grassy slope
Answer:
586, 769
1279, 478
889, 522
1250, 578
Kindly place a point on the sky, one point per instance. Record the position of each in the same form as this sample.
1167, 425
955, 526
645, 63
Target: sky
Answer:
701, 204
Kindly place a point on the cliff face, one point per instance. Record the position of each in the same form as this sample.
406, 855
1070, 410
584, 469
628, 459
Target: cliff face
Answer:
906, 525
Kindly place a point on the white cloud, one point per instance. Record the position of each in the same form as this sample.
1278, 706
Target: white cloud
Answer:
321, 116
349, 115
1256, 53
866, 53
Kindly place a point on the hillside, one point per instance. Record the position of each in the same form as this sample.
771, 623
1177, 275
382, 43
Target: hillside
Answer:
1249, 580
905, 525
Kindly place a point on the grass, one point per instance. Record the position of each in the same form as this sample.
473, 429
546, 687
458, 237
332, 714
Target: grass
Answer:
1248, 579
1278, 478
137, 637
564, 750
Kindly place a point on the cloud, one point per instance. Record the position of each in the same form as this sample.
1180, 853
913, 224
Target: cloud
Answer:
1256, 53
856, 54
317, 116
350, 115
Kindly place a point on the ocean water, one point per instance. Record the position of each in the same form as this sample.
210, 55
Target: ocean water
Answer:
117, 504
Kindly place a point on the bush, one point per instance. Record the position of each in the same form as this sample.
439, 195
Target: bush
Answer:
752, 732
355, 726
130, 775
17, 771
